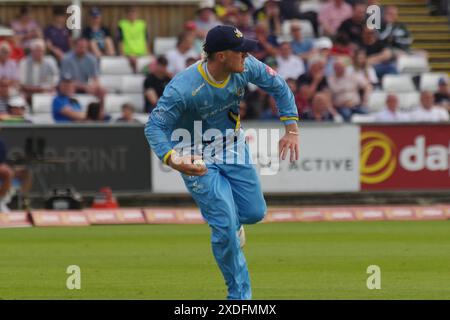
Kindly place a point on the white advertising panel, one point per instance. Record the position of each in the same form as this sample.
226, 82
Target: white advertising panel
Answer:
328, 160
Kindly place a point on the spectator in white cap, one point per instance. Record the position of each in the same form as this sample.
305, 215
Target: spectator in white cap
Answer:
17, 109
206, 18
38, 73
323, 46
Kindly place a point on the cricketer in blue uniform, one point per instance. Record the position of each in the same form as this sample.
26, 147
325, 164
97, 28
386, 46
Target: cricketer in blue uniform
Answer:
194, 104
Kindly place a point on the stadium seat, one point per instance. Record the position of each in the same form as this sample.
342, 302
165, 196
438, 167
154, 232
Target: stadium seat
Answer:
143, 62
41, 118
115, 65
362, 118
429, 81
112, 82
42, 102
398, 83
408, 101
306, 6
133, 83
84, 100
142, 117
377, 101
412, 64
307, 28
163, 44
114, 102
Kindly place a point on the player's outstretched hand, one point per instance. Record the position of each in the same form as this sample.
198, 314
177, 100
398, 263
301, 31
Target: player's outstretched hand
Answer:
289, 142
185, 164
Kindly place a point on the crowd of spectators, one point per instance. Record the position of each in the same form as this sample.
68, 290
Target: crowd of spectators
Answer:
332, 71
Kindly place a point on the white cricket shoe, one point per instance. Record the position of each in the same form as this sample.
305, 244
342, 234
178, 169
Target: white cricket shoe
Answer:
241, 235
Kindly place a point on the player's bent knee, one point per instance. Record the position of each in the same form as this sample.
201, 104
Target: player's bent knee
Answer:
256, 214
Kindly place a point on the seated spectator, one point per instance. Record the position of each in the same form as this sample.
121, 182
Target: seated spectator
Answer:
26, 28
96, 112
267, 44
302, 101
270, 16
362, 68
177, 57
155, 82
245, 23
392, 112
353, 26
133, 37
345, 87
323, 47
205, 20
320, 109
128, 114
65, 108
428, 112
38, 73
304, 48
7, 35
442, 96
292, 83
342, 47
9, 70
17, 109
393, 32
99, 36
57, 35
314, 80
289, 65
190, 61
83, 67
224, 9
332, 14
190, 27
378, 54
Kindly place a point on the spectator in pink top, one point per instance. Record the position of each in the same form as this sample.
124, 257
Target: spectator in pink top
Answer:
26, 28
332, 14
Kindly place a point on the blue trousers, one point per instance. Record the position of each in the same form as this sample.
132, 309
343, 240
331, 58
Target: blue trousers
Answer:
228, 196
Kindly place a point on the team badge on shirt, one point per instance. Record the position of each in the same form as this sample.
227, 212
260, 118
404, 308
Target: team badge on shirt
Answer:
271, 71
240, 92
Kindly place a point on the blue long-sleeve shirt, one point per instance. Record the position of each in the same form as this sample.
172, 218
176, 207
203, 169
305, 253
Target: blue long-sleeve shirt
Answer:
192, 96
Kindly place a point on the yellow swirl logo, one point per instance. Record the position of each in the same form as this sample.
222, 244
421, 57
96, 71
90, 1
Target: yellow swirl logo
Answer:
378, 160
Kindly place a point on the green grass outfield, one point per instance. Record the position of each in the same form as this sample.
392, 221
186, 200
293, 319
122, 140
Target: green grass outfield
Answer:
322, 260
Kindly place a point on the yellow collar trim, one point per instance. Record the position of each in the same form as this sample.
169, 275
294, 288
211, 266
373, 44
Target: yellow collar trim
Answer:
205, 76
